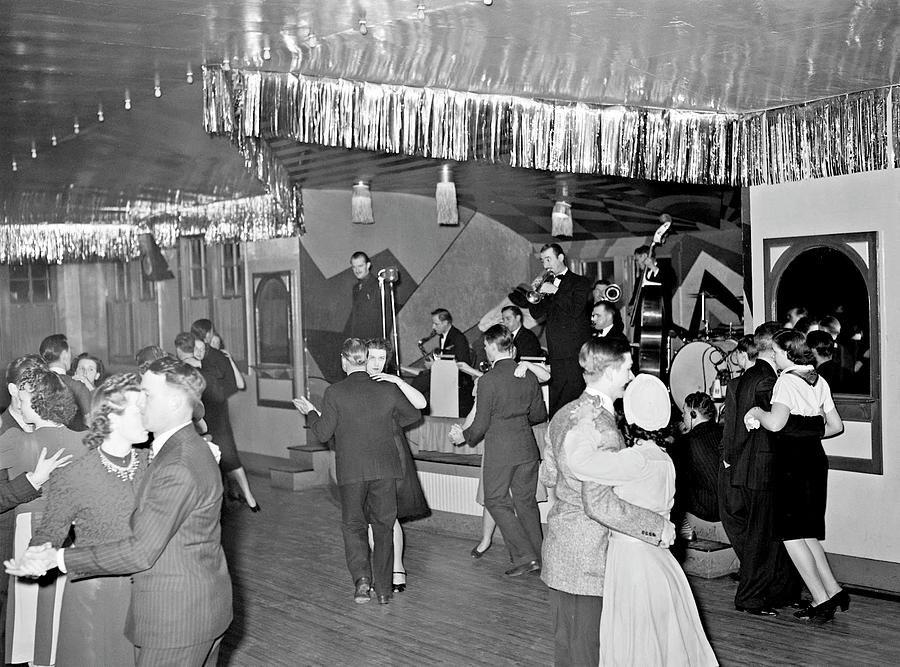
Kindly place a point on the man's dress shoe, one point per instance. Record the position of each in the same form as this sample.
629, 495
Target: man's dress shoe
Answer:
363, 591
524, 568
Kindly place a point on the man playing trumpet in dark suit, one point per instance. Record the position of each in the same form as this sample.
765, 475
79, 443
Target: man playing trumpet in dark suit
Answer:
565, 307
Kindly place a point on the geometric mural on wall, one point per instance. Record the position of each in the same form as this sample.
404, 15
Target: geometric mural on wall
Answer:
326, 308
710, 264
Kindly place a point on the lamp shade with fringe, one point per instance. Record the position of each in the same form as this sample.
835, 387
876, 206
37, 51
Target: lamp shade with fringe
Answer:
361, 205
445, 198
561, 220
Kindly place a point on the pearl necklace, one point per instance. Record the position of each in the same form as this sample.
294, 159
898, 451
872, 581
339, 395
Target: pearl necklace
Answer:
125, 473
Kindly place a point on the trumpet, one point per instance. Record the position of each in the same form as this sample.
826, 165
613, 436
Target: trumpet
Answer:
421, 342
531, 293
611, 293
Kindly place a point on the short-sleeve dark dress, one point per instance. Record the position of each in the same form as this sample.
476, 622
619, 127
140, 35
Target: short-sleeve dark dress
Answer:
801, 466
215, 403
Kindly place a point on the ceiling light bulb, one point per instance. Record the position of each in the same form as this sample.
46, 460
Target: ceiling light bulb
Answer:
488, 2
157, 91
267, 53
76, 128
127, 100
53, 140
420, 11
15, 167
100, 113
363, 27
189, 75
33, 151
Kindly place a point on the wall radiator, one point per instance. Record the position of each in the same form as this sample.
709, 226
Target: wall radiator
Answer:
450, 493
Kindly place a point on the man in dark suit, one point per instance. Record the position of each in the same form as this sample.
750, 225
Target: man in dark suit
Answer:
526, 343
451, 341
366, 301
767, 577
359, 413
55, 351
181, 590
605, 321
565, 305
506, 408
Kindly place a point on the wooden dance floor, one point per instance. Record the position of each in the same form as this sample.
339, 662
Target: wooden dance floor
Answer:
294, 604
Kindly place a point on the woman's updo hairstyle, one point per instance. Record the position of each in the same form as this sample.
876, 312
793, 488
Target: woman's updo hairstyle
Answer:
110, 398
50, 398
794, 344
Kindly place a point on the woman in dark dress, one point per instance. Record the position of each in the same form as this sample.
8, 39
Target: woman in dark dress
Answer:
96, 496
801, 469
193, 351
411, 503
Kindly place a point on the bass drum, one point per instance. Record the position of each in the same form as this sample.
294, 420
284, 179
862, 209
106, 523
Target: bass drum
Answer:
696, 365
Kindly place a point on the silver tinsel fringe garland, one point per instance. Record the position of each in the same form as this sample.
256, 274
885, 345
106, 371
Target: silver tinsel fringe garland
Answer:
840, 135
77, 226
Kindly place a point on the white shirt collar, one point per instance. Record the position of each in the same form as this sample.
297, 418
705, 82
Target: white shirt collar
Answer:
162, 438
605, 401
605, 330
514, 333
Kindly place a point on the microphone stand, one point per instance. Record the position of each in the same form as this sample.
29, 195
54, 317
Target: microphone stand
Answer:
384, 323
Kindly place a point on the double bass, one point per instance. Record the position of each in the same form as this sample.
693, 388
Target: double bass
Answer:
649, 339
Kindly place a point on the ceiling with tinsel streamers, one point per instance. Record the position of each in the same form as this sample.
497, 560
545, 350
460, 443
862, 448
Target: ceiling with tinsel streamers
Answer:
131, 64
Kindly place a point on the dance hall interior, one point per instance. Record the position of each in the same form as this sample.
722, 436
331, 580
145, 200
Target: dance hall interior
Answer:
294, 174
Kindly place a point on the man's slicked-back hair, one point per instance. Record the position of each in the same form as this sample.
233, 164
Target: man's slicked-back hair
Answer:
555, 247
359, 254
443, 315
764, 333
184, 342
354, 351
500, 336
53, 346
598, 354
515, 310
181, 376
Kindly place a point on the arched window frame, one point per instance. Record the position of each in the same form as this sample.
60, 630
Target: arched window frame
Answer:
862, 249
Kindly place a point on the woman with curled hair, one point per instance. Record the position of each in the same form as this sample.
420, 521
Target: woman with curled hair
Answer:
801, 469
47, 404
93, 499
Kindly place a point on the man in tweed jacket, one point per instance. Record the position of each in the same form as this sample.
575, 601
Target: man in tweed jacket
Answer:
574, 550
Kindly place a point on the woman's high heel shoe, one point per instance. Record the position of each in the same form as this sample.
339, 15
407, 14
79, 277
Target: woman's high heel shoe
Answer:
398, 583
840, 599
256, 508
819, 612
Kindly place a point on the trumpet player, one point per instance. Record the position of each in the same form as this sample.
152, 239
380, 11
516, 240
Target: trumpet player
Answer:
565, 305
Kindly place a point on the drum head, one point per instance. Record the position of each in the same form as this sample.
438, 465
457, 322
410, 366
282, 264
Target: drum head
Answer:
647, 403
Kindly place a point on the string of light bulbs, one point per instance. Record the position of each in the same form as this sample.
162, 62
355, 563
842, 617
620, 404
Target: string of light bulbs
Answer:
77, 126
128, 104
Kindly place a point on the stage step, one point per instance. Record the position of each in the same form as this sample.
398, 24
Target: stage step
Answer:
709, 559
307, 455
294, 478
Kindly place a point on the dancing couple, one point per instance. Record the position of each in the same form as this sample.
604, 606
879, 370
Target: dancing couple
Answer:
608, 531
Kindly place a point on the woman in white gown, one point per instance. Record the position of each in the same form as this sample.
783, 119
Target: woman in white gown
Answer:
649, 614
